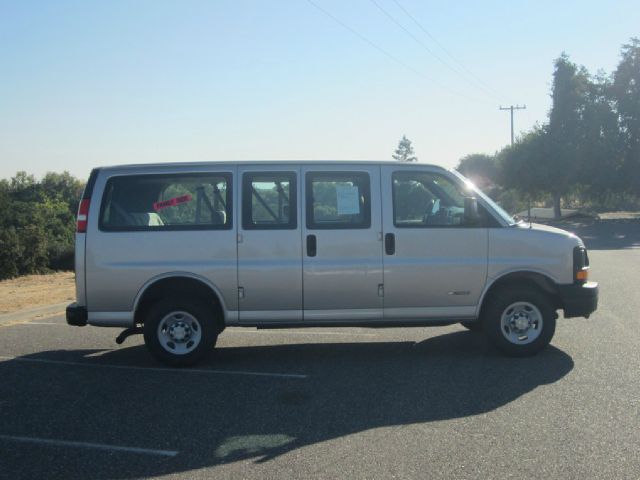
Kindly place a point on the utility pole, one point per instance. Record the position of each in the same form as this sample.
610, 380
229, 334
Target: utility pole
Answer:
511, 109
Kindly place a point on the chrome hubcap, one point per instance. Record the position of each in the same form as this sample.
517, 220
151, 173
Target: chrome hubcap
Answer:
179, 333
521, 323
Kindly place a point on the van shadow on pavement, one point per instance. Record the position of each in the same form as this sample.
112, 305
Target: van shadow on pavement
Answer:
216, 419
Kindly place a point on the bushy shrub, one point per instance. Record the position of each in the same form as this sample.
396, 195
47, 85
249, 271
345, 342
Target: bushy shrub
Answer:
37, 223
10, 252
61, 256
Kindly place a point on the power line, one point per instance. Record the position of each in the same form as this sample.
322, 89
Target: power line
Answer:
408, 32
512, 108
425, 47
485, 87
384, 52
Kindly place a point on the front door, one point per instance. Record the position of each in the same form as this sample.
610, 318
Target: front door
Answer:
435, 264
342, 252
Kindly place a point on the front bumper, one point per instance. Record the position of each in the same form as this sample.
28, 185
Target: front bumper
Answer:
76, 315
579, 300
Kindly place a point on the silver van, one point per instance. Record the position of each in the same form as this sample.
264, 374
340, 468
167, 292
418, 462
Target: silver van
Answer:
180, 251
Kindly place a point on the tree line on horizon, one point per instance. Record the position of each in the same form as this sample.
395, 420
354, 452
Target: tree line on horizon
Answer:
37, 223
588, 150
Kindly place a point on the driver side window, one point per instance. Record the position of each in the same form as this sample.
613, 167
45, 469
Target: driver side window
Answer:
424, 199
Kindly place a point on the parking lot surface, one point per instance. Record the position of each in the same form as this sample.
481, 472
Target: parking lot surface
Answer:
335, 403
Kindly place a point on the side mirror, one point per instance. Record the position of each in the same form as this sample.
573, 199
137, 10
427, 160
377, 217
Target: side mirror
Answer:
471, 216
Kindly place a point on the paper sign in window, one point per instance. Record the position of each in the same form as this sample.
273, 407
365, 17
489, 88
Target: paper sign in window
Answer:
348, 199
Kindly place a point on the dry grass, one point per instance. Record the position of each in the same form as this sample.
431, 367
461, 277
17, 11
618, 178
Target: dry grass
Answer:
620, 215
36, 290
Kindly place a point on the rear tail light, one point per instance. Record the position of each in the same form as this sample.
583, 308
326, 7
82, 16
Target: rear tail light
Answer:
83, 213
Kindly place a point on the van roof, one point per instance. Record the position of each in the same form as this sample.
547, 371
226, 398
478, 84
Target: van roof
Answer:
183, 165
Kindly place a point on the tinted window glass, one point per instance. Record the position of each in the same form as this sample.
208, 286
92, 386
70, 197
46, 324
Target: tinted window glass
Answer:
167, 202
338, 200
269, 201
422, 199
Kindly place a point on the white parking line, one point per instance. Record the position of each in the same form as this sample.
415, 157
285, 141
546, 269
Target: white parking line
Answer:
99, 446
156, 369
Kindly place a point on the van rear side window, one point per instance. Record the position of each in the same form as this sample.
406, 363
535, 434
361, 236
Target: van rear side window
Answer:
338, 200
167, 202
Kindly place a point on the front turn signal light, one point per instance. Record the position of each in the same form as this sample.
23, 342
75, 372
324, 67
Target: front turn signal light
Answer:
582, 275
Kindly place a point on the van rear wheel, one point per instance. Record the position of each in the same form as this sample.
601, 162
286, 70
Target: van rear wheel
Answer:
179, 331
519, 321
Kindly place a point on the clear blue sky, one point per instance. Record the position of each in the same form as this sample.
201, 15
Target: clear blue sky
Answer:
90, 83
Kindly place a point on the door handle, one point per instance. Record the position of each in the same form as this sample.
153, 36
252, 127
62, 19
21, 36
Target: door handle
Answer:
312, 245
390, 244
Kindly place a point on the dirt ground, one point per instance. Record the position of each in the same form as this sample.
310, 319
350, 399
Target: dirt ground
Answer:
36, 290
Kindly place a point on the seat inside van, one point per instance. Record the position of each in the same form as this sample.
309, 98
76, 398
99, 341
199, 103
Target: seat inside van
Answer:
151, 219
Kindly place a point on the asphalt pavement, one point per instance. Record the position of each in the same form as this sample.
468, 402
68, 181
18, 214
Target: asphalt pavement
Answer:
335, 403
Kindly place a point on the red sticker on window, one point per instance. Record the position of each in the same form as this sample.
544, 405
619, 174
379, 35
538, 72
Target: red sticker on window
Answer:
172, 202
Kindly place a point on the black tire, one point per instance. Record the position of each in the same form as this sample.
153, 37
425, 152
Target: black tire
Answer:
472, 326
202, 331
528, 300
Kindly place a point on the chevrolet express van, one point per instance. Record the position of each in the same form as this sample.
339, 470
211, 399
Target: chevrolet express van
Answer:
180, 251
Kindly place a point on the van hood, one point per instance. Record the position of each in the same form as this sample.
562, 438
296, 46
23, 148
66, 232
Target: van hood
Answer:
538, 227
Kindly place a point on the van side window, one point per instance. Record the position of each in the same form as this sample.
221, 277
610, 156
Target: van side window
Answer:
338, 200
423, 199
167, 202
269, 201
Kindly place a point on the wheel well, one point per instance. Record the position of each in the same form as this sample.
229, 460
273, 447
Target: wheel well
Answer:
179, 285
532, 280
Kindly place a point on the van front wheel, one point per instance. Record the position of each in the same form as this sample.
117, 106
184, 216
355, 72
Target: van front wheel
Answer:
519, 321
179, 331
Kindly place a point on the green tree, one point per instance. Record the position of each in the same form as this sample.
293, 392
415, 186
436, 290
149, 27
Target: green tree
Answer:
525, 167
10, 252
62, 186
29, 222
9, 246
37, 223
24, 187
570, 84
590, 146
480, 168
599, 140
404, 152
625, 92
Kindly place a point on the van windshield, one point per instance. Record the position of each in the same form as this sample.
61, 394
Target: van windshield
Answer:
497, 208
